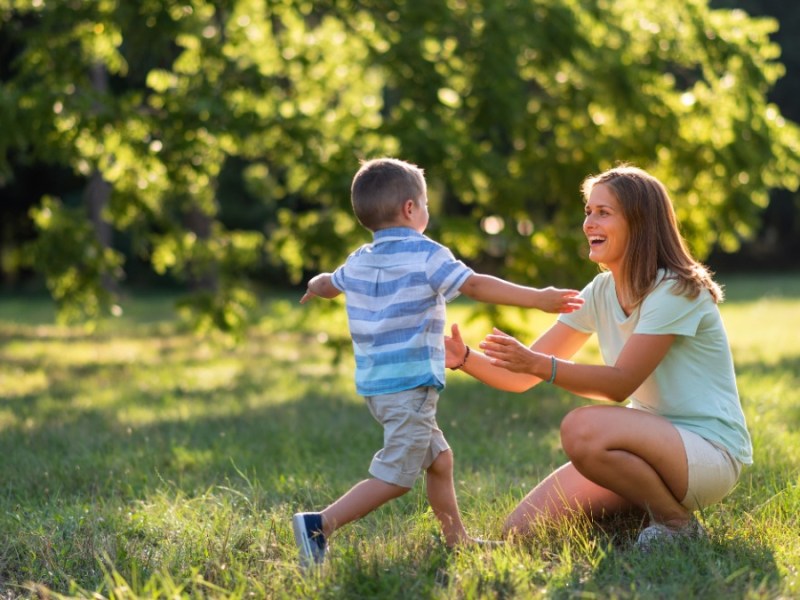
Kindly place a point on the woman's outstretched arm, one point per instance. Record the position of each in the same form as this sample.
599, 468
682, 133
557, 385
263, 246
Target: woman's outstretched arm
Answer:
639, 357
560, 340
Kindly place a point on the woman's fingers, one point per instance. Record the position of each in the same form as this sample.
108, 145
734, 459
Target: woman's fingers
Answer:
501, 341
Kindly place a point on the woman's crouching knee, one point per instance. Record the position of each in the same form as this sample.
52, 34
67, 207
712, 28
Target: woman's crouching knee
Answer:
579, 435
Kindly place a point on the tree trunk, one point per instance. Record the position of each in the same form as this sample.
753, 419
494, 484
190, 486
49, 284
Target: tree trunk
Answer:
203, 277
98, 190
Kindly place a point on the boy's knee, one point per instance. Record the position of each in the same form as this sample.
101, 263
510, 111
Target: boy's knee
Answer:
393, 490
401, 490
443, 462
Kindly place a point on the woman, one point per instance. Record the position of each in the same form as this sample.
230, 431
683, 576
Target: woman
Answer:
681, 443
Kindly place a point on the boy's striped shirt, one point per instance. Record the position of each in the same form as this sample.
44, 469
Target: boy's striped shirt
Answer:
396, 289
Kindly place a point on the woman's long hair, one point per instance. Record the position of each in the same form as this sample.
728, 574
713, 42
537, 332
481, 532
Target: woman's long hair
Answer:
654, 240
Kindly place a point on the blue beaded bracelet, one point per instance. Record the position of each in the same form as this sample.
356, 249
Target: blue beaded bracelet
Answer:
553, 369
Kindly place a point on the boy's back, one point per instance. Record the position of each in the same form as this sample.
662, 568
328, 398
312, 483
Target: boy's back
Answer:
396, 289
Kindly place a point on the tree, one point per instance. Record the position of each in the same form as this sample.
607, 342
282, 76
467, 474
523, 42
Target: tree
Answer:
778, 240
507, 104
523, 99
195, 83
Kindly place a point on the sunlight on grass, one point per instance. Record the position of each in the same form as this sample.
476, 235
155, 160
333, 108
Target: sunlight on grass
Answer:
18, 382
760, 337
67, 351
7, 419
139, 461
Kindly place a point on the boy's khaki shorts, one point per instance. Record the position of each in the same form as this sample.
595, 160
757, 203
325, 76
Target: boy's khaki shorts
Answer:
713, 472
411, 437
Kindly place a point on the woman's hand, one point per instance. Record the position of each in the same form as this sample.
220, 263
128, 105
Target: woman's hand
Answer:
454, 348
509, 353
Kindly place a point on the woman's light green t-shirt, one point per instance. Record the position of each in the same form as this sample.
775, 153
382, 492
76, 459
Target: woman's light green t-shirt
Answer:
694, 386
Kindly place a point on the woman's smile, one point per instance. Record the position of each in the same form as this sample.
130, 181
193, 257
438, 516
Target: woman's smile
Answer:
606, 228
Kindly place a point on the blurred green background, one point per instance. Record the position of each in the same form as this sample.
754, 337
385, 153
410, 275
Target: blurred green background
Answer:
208, 146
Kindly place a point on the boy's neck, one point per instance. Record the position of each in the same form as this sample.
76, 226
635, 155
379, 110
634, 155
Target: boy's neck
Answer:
397, 225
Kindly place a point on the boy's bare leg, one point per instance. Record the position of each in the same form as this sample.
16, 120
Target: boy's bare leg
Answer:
360, 500
442, 497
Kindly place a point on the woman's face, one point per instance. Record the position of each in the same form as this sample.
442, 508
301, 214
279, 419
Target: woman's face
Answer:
605, 228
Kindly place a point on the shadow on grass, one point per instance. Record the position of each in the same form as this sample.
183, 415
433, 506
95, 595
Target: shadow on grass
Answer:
69, 444
106, 435
402, 572
80, 449
85, 456
788, 366
698, 569
749, 288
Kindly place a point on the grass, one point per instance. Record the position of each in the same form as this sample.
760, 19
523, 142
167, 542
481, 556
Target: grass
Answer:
139, 461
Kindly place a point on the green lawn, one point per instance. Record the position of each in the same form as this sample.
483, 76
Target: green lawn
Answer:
139, 461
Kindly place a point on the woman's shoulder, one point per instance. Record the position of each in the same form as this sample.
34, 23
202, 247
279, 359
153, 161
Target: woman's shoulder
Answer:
599, 293
667, 281
602, 283
667, 291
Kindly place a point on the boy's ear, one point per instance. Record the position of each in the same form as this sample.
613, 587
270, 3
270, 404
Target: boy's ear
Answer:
408, 208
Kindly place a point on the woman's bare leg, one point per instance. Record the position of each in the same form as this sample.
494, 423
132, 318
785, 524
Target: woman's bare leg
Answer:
621, 459
560, 495
637, 455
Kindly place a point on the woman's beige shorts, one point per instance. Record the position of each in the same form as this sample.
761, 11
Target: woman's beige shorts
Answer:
713, 472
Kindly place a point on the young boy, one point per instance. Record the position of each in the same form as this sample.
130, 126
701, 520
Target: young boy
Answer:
396, 289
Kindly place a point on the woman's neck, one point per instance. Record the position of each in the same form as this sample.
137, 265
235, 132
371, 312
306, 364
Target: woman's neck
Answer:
624, 298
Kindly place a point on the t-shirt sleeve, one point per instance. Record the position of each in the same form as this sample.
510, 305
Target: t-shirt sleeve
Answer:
445, 273
585, 318
338, 278
666, 313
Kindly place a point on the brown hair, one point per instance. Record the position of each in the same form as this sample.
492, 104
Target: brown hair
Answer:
654, 240
381, 186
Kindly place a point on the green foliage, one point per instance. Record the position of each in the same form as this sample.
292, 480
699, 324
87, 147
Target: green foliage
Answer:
507, 104
141, 461
72, 259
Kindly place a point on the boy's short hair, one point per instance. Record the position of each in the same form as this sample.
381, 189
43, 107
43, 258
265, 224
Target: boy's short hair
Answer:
381, 186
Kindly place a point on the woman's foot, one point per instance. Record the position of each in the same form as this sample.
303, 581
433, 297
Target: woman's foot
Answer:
657, 534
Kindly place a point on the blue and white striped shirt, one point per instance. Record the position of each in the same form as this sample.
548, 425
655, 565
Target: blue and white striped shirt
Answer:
396, 289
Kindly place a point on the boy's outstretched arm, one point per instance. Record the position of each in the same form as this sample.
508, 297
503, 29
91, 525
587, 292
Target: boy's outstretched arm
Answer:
320, 285
493, 290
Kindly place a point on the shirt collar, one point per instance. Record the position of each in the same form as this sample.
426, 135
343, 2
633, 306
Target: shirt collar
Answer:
391, 234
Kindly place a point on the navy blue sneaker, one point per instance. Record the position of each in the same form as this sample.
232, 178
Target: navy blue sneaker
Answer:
309, 537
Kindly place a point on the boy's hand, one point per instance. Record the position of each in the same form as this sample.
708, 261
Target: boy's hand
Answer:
554, 300
454, 348
320, 285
